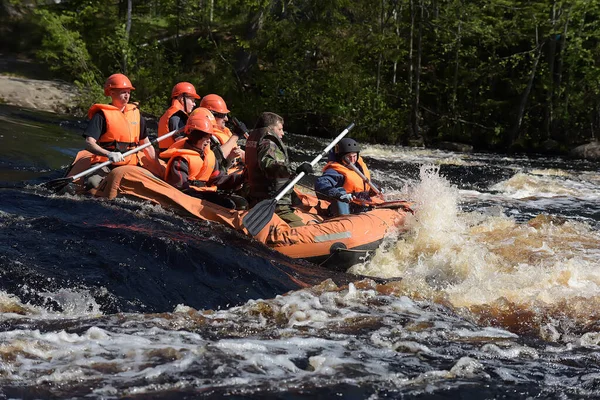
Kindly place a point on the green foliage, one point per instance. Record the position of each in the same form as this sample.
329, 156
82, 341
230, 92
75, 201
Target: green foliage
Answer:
322, 64
63, 48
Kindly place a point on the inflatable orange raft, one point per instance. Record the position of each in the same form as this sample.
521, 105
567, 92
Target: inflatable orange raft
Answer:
335, 243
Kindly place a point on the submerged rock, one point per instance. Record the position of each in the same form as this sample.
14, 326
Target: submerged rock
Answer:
454, 146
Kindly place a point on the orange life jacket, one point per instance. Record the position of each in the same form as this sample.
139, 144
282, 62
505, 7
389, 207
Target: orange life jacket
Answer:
122, 131
163, 124
222, 135
353, 183
219, 138
200, 169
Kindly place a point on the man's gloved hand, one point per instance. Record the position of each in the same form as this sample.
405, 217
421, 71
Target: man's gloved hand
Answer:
304, 167
238, 128
346, 198
115, 156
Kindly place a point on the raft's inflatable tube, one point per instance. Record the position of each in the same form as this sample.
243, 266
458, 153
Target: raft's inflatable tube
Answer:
335, 243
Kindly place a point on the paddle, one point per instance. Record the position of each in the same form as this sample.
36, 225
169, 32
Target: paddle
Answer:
363, 177
391, 204
260, 215
58, 184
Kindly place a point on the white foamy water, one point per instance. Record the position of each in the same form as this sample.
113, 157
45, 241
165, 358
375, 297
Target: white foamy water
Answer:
416, 155
317, 335
365, 335
490, 263
551, 184
72, 302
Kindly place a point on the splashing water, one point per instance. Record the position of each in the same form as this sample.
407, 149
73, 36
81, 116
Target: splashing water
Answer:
519, 276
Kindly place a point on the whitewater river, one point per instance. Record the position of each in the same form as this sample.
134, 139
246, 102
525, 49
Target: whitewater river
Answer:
499, 296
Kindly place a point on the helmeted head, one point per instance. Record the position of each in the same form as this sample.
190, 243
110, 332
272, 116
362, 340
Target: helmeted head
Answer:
184, 88
214, 103
345, 146
200, 119
217, 106
117, 81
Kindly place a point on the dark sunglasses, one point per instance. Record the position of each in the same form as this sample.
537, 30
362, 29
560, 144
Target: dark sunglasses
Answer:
218, 115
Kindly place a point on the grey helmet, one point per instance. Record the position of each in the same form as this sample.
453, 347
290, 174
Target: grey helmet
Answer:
345, 146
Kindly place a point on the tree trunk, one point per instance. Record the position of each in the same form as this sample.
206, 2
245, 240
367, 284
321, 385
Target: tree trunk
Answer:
395, 13
456, 65
515, 133
380, 61
416, 115
177, 23
549, 109
410, 47
554, 131
127, 31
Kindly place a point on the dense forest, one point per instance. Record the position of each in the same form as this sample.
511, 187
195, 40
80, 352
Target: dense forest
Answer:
504, 75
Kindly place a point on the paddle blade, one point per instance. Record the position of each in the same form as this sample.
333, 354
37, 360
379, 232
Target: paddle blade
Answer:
395, 204
259, 216
56, 185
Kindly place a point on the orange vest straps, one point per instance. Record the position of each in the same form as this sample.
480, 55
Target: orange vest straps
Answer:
222, 135
122, 130
210, 162
201, 185
353, 183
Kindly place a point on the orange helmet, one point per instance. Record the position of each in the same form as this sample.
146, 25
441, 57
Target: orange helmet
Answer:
117, 81
214, 102
200, 119
184, 88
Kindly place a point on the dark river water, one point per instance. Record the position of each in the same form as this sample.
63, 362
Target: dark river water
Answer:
499, 296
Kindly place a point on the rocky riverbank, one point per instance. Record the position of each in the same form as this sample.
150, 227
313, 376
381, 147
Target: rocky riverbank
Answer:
52, 96
26, 83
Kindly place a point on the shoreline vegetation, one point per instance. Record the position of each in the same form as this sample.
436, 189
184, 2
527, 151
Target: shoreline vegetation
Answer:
502, 77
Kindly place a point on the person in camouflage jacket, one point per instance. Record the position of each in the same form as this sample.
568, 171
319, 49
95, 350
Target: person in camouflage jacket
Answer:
268, 166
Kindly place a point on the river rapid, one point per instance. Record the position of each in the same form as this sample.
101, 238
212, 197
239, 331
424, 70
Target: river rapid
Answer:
499, 295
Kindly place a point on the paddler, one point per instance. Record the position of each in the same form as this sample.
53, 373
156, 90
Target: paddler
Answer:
268, 166
193, 168
183, 101
341, 184
115, 128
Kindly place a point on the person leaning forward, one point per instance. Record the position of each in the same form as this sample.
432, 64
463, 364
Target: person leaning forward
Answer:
115, 128
268, 166
193, 167
183, 101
